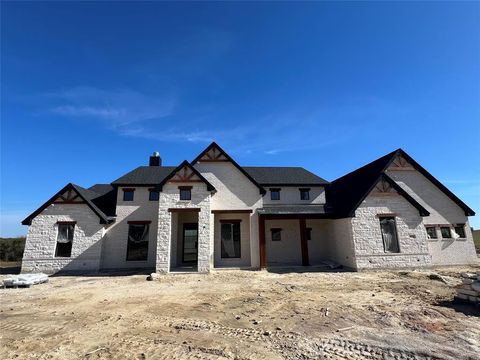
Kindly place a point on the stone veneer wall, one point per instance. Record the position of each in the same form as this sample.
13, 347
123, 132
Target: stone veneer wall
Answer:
39, 254
170, 198
367, 236
443, 211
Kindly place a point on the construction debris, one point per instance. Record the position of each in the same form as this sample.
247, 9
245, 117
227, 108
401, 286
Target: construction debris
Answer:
469, 290
24, 280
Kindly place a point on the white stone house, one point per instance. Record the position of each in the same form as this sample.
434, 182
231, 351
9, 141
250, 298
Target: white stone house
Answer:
213, 213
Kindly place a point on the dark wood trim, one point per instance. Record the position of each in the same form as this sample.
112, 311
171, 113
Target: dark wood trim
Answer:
246, 211
184, 181
228, 158
184, 210
185, 187
303, 242
66, 222
386, 215
296, 216
153, 189
261, 237
275, 189
304, 189
230, 221
128, 189
139, 222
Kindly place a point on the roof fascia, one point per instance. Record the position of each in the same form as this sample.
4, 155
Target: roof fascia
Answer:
468, 211
28, 219
229, 158
210, 187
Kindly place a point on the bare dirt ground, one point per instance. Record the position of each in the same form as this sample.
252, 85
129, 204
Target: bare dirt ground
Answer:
241, 315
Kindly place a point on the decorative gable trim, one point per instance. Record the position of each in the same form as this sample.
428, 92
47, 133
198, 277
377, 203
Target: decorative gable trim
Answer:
67, 195
400, 163
185, 173
402, 154
214, 153
387, 182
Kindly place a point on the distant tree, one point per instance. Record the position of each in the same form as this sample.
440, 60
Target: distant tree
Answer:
11, 249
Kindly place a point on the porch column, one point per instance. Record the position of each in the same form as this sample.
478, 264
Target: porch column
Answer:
163, 241
261, 238
204, 249
303, 241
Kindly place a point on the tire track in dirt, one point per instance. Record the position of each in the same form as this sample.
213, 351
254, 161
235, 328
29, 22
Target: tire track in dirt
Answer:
290, 345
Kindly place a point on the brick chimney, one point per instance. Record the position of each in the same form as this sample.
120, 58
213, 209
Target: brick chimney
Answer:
155, 160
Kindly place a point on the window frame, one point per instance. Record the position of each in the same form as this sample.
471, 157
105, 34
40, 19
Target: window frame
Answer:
389, 217
65, 223
449, 228
232, 223
460, 226
274, 190
435, 231
128, 191
305, 191
137, 223
308, 233
274, 231
185, 188
153, 191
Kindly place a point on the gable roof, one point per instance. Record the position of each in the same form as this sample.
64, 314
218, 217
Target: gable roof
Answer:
228, 158
347, 192
184, 163
287, 176
87, 195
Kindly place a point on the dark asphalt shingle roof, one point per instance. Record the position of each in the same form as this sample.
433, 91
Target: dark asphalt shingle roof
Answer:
145, 175
293, 209
270, 175
346, 192
101, 204
152, 175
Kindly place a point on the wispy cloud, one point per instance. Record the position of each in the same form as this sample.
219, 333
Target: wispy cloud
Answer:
116, 108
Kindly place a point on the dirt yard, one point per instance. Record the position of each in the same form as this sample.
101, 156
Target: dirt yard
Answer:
241, 315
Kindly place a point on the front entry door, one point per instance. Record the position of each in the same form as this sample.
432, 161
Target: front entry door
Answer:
190, 243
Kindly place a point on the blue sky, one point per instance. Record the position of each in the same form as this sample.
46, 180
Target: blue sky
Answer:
89, 90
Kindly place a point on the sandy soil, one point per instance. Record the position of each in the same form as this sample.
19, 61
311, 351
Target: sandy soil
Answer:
241, 315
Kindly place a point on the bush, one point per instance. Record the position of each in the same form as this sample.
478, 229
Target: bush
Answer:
11, 249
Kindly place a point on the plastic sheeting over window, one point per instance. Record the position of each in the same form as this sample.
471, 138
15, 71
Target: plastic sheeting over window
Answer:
389, 234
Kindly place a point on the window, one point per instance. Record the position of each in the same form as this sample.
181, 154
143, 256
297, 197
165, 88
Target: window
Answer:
137, 246
389, 234
304, 194
64, 239
185, 192
128, 194
276, 234
230, 236
446, 232
308, 233
432, 232
154, 195
460, 230
275, 194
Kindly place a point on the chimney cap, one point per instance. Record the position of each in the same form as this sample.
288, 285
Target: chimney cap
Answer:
156, 154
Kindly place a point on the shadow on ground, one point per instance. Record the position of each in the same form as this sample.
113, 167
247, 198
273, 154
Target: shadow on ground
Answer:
464, 307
